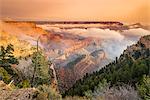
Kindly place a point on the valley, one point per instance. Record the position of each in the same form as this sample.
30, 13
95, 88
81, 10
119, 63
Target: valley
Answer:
73, 48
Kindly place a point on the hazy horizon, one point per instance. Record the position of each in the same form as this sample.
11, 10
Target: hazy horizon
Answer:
126, 11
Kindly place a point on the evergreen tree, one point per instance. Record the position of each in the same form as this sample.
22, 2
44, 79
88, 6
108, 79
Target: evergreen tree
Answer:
128, 69
7, 58
42, 72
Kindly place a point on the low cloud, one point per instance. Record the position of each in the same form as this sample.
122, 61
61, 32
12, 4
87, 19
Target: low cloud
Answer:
112, 42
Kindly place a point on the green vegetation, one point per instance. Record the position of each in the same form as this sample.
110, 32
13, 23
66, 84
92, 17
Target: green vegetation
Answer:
49, 92
128, 69
74, 62
42, 72
7, 58
24, 84
100, 89
126, 77
41, 78
4, 74
144, 87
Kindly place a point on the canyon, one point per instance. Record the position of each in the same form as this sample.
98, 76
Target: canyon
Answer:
73, 48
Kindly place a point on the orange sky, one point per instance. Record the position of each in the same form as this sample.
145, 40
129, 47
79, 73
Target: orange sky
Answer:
92, 10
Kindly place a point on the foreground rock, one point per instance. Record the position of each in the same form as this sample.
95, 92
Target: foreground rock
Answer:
8, 93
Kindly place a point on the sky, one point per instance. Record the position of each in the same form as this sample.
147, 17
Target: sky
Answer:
129, 11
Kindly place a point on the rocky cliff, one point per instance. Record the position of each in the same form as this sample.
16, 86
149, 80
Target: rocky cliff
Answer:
73, 52
129, 69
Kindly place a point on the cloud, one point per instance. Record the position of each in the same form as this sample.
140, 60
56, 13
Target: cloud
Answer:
135, 34
112, 42
97, 33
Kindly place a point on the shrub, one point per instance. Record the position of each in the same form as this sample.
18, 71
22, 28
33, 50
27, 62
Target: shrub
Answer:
24, 84
144, 88
49, 92
4, 74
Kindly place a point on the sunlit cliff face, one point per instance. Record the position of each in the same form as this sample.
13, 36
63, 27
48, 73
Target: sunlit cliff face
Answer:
74, 51
112, 41
69, 40
21, 48
21, 35
103, 46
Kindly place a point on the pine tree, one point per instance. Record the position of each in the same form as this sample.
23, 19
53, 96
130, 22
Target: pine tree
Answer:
41, 69
7, 58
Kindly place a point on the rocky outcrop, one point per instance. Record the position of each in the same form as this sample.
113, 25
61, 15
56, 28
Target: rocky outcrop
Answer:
141, 49
129, 69
84, 25
27, 28
8, 93
145, 41
64, 49
76, 69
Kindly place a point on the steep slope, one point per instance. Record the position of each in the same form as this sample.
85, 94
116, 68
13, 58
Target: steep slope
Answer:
77, 68
24, 35
128, 69
64, 47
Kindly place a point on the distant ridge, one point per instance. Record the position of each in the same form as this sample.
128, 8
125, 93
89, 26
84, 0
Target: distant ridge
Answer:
72, 22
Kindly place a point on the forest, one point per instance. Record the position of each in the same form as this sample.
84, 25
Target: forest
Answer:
131, 68
130, 74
